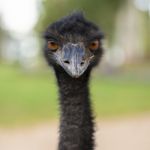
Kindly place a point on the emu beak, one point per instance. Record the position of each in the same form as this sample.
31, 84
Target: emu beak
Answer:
74, 59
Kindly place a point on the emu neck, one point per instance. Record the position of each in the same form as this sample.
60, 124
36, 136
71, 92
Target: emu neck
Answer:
76, 120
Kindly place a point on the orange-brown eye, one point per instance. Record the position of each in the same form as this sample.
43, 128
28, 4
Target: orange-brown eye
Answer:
94, 45
53, 45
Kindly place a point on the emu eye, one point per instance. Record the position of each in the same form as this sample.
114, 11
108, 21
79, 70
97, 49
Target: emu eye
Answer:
53, 45
94, 45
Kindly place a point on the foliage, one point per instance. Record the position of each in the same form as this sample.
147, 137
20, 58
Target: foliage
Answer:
146, 32
2, 34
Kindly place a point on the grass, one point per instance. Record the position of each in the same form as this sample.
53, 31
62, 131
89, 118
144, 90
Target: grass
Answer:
32, 97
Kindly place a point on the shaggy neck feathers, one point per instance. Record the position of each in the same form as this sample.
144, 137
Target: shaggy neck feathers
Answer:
76, 121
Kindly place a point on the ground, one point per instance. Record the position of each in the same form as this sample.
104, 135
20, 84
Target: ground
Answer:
130, 133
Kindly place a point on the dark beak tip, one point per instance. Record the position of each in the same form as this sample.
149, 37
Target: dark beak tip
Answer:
76, 76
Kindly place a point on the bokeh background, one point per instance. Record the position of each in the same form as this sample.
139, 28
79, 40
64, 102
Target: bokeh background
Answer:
120, 85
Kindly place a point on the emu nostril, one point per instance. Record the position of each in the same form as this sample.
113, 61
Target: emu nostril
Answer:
82, 63
66, 62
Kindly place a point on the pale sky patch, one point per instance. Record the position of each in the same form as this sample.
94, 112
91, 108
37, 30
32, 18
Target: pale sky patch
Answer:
19, 15
142, 5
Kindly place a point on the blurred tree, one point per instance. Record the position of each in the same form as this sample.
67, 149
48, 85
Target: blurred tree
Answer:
2, 35
103, 12
146, 33
4, 38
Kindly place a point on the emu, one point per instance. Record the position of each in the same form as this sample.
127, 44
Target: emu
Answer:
73, 47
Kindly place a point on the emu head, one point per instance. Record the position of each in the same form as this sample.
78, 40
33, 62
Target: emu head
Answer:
73, 44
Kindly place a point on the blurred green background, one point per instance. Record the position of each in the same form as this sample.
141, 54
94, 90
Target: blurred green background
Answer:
120, 85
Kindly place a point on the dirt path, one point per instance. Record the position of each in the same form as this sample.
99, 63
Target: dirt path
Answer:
116, 134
